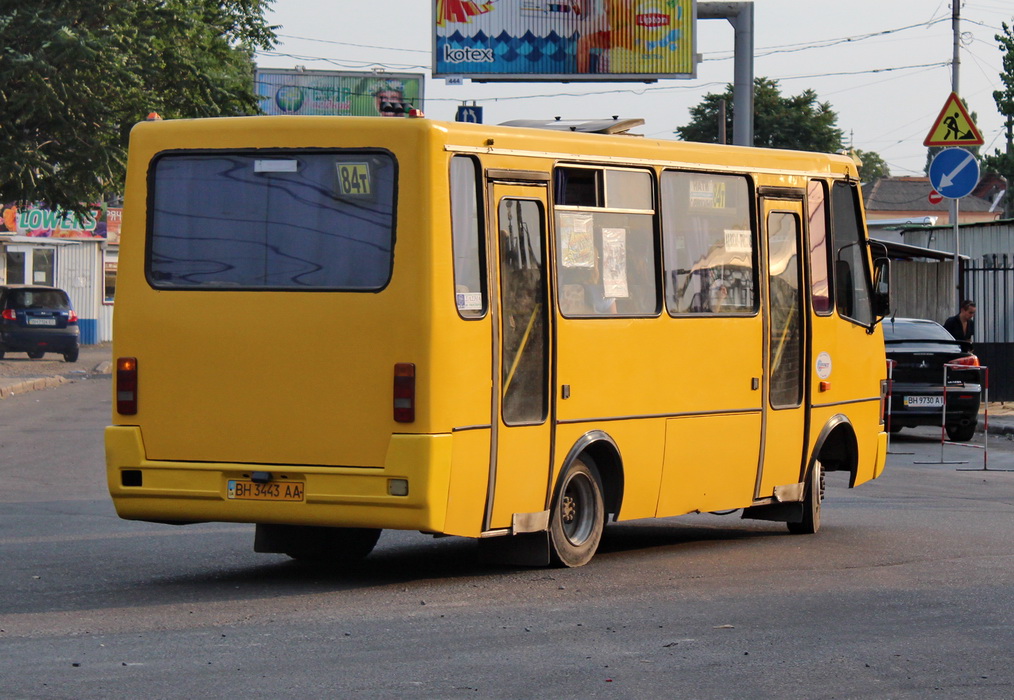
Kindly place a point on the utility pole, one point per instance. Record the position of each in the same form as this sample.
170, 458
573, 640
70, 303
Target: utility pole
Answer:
955, 79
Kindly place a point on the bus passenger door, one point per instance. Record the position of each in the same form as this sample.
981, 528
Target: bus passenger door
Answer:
520, 469
785, 364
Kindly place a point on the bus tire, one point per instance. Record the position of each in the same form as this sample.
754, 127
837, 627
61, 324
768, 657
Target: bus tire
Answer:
333, 546
811, 502
578, 516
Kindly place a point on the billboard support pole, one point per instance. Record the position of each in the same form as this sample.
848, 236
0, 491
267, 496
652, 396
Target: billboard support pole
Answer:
740, 16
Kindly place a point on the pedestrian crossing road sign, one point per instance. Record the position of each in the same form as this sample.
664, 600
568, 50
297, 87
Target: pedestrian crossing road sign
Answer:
953, 126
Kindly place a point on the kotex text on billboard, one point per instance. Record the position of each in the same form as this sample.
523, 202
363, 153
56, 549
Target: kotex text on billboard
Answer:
591, 40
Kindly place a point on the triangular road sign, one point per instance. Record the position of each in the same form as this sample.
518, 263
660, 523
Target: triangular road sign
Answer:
953, 126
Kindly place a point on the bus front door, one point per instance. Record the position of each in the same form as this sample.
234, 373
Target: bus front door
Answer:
784, 426
520, 469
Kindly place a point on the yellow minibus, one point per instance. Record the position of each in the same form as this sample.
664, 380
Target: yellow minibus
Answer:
328, 326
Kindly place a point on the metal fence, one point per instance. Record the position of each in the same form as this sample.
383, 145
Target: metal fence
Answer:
989, 281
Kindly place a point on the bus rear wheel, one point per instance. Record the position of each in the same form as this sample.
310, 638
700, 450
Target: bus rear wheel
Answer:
814, 494
578, 516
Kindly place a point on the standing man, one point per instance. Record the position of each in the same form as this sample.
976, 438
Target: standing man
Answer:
962, 326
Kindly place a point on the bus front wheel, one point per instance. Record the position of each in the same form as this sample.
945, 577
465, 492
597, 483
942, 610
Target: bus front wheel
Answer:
578, 516
812, 497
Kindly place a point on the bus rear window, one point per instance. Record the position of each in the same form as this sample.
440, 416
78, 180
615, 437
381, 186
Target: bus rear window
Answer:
272, 220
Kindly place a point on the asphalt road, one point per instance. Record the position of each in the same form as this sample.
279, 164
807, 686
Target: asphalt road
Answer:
907, 592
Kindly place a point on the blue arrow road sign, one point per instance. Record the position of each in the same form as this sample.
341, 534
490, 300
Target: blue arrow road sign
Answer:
471, 114
954, 172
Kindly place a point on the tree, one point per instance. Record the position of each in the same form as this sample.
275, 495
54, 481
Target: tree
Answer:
800, 122
76, 75
872, 167
1003, 163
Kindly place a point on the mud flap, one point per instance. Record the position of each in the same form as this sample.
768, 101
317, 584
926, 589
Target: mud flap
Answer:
778, 512
527, 549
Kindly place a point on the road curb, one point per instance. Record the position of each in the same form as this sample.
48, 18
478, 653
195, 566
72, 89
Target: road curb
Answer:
13, 387
28, 385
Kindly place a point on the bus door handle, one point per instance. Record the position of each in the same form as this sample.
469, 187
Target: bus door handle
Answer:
755, 383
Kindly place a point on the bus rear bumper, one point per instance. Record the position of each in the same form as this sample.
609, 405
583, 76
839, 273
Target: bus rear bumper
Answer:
417, 466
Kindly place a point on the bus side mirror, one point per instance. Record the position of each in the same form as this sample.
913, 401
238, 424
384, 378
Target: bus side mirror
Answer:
881, 287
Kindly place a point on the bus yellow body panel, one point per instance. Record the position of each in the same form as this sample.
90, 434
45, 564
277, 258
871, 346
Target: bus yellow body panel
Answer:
680, 404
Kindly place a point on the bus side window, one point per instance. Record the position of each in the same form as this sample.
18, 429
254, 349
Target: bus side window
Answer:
852, 280
820, 288
468, 240
709, 243
605, 257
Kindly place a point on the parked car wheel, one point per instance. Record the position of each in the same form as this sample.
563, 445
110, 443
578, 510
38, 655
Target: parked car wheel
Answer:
71, 355
961, 433
36, 354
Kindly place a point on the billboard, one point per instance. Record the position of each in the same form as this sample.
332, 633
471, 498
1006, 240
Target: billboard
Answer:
341, 93
40, 222
568, 40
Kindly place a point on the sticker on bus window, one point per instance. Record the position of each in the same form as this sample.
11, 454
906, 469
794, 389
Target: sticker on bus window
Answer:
276, 165
707, 194
354, 179
469, 301
738, 240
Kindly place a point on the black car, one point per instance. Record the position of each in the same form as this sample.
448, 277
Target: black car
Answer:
919, 350
36, 320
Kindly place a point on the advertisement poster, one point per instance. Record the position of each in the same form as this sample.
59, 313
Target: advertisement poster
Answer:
614, 263
597, 40
335, 93
577, 244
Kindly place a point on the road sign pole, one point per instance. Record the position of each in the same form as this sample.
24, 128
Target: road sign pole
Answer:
955, 206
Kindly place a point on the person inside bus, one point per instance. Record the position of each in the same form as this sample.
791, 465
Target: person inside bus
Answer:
962, 326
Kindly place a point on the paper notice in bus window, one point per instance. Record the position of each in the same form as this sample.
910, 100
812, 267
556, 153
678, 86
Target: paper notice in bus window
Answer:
577, 244
614, 263
737, 241
707, 194
469, 301
354, 180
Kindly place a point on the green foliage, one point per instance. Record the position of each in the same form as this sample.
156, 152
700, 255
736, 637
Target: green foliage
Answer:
1003, 163
800, 122
77, 74
873, 166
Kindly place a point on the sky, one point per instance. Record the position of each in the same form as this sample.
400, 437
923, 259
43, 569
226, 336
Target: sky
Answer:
883, 65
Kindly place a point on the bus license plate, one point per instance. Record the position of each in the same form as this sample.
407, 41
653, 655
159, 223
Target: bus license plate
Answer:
931, 401
243, 490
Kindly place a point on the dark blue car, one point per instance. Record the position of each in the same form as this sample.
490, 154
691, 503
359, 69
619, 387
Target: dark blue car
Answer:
36, 319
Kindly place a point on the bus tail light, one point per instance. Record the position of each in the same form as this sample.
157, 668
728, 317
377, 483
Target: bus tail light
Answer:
404, 392
126, 386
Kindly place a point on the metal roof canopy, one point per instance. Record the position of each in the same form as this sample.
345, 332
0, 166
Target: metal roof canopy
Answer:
904, 250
